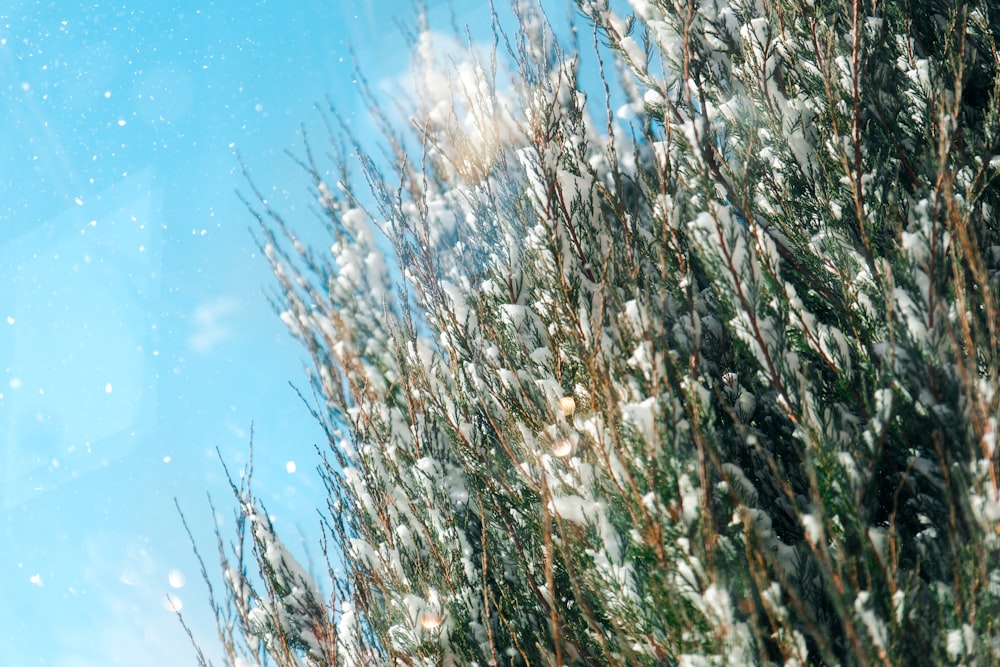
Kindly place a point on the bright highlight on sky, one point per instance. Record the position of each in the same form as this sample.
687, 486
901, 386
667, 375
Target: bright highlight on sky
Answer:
136, 336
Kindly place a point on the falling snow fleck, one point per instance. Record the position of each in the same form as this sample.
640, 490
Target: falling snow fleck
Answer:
562, 447
430, 621
567, 405
290, 466
176, 578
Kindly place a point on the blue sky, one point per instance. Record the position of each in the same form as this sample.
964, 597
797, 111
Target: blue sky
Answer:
135, 333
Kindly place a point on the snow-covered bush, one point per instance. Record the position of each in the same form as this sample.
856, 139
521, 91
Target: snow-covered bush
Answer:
684, 352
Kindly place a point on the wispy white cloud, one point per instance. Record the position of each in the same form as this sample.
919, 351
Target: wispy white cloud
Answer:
211, 324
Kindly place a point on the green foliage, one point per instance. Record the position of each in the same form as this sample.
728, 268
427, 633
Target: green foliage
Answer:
706, 374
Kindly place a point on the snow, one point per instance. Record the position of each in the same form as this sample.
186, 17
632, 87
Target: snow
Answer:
813, 526
643, 416
300, 605
899, 606
175, 578
635, 53
641, 358
878, 537
691, 497
874, 626
653, 98
577, 509
515, 316
955, 645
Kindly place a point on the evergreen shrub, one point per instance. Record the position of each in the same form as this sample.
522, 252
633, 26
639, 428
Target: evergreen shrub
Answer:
677, 345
